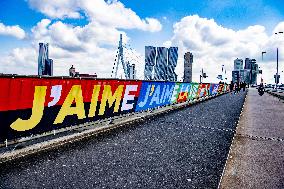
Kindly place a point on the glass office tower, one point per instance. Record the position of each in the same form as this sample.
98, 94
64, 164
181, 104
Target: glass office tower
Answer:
161, 64
45, 65
150, 57
172, 63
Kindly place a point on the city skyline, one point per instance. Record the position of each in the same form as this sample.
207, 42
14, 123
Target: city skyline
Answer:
80, 34
245, 72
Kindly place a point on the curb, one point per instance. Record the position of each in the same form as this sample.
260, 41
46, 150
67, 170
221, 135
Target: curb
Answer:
280, 97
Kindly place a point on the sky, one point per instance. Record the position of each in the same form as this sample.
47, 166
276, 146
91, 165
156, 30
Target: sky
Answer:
85, 33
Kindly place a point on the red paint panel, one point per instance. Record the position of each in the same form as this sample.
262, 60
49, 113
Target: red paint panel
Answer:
18, 93
203, 89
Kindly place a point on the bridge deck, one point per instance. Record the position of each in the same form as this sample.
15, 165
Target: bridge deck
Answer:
182, 149
257, 154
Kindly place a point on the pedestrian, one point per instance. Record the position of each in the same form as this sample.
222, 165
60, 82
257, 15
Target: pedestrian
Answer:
244, 86
235, 88
231, 86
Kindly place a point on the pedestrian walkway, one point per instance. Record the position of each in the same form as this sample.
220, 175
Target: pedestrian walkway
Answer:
256, 158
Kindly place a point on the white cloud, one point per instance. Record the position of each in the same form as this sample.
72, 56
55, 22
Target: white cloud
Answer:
110, 13
20, 61
213, 46
57, 9
86, 47
14, 31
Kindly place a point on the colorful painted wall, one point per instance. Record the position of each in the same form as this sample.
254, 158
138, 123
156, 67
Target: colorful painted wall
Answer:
36, 105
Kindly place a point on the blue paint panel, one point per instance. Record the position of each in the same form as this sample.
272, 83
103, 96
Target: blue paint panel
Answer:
214, 89
154, 94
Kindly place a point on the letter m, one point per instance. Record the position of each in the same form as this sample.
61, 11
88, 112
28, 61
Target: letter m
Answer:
107, 96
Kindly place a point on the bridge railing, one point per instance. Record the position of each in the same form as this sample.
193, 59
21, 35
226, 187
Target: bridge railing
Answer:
34, 105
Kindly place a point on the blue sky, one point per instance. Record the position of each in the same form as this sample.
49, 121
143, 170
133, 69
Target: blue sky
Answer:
235, 14
233, 17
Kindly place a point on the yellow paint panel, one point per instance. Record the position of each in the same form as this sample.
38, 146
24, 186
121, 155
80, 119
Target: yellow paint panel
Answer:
107, 96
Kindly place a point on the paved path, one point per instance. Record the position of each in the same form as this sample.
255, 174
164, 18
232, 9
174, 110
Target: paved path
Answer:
182, 149
257, 154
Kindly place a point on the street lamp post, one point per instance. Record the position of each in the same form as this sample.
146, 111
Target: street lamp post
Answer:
277, 70
201, 76
277, 76
260, 72
262, 53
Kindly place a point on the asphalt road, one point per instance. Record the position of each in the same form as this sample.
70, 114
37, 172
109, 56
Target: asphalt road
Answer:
182, 149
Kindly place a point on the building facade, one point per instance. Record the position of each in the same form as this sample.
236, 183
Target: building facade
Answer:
187, 73
238, 64
150, 59
160, 63
172, 63
160, 68
247, 63
236, 76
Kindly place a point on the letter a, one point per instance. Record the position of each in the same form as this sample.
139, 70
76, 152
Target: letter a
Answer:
37, 111
66, 109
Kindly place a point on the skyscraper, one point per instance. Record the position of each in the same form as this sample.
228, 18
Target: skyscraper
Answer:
246, 76
150, 57
172, 63
188, 60
242, 75
49, 67
161, 64
238, 64
236, 76
45, 65
247, 63
252, 68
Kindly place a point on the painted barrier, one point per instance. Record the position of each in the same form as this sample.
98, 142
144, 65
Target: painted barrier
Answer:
32, 105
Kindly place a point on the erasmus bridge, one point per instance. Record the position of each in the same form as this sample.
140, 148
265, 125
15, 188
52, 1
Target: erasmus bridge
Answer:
127, 57
65, 132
